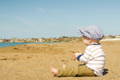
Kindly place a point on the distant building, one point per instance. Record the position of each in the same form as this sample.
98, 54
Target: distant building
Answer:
109, 37
6, 40
117, 36
37, 40
22, 40
1, 40
40, 40
14, 40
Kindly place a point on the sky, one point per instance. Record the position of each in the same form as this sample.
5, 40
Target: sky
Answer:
56, 18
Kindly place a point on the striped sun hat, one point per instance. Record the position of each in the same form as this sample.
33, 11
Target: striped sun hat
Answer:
92, 32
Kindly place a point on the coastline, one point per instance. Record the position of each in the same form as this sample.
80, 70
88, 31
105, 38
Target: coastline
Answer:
8, 44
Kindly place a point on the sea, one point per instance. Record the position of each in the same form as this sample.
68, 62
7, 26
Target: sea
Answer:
21, 43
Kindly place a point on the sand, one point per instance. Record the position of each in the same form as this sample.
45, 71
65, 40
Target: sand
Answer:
33, 61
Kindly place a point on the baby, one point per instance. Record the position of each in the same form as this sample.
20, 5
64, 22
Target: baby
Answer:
93, 57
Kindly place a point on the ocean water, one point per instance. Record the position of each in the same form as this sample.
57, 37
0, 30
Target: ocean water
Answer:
14, 44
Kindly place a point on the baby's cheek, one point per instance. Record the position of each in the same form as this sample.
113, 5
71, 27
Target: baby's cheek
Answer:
87, 42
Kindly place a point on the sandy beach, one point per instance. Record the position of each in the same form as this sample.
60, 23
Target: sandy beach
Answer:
33, 61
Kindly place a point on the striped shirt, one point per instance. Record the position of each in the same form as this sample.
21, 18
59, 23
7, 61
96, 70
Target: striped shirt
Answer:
94, 58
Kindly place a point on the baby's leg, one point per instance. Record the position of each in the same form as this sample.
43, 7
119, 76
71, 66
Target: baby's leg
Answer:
83, 70
68, 70
72, 70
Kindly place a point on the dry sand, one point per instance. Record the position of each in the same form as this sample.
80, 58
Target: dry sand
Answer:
33, 61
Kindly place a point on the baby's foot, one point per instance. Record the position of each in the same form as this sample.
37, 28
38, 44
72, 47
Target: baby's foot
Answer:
54, 71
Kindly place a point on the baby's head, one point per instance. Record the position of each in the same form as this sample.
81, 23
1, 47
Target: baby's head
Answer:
91, 35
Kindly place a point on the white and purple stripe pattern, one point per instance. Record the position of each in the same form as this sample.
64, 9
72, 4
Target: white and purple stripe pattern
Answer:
92, 32
94, 58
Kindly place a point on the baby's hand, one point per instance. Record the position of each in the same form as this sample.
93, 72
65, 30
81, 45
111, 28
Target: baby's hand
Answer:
75, 56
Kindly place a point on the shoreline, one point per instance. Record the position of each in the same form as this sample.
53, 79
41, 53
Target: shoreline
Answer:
9, 44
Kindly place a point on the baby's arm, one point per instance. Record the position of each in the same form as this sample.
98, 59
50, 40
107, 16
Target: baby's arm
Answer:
87, 56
